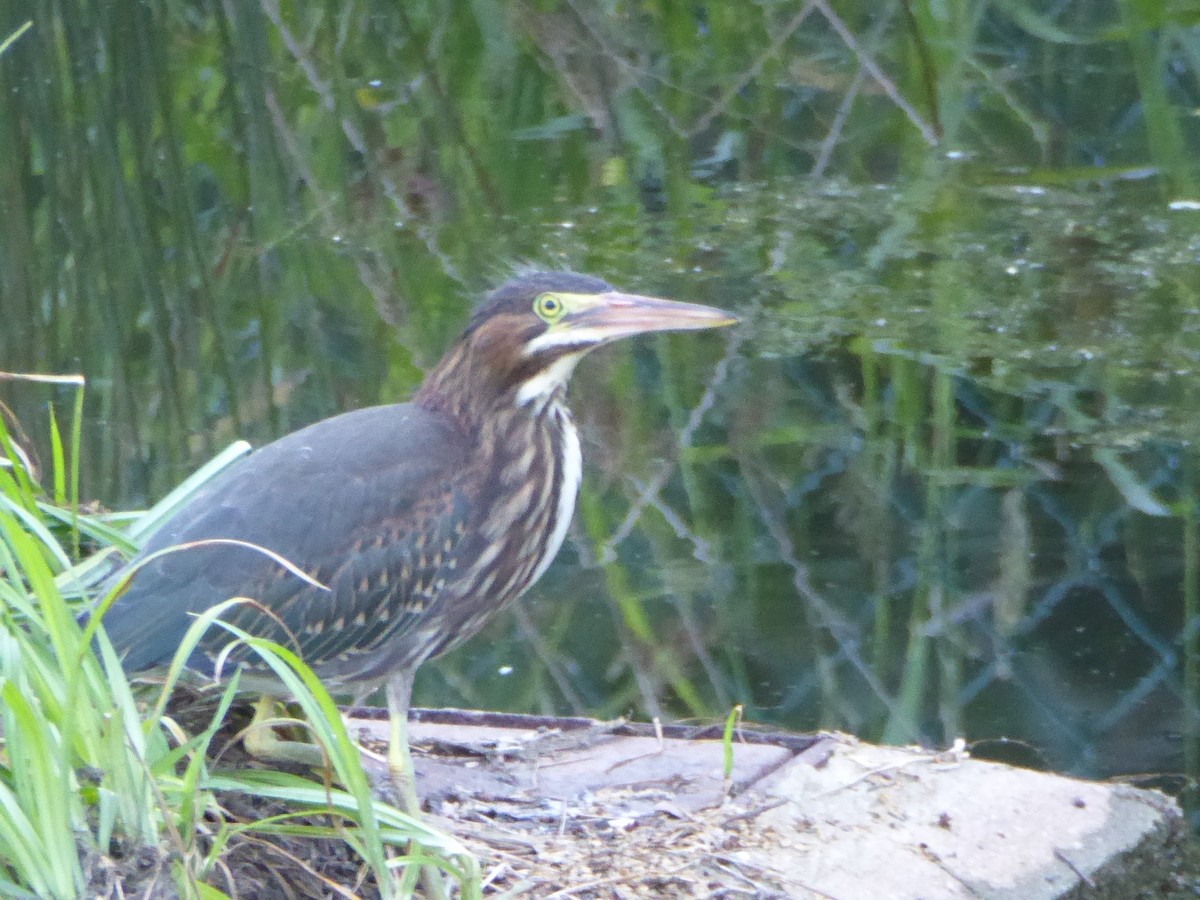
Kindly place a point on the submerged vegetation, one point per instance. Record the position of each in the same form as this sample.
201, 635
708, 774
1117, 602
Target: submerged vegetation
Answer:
942, 484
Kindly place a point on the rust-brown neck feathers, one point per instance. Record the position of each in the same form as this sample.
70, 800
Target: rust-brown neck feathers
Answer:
486, 369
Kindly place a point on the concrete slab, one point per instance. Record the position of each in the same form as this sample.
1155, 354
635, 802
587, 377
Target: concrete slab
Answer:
557, 801
900, 823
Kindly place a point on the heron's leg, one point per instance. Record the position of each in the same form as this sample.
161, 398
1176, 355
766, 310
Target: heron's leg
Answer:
261, 741
399, 696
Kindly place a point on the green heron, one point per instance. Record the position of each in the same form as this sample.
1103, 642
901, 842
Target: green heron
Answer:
421, 519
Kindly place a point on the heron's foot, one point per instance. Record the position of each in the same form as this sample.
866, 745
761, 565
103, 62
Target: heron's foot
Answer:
262, 741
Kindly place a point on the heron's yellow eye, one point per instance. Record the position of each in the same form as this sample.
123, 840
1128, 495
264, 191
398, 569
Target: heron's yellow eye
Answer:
549, 307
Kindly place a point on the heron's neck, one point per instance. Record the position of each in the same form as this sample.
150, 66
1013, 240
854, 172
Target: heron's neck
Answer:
470, 387
529, 447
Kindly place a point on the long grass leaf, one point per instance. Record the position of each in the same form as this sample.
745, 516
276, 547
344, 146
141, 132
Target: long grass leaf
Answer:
43, 785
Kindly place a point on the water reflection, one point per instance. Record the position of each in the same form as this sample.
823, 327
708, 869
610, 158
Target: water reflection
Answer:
961, 506
940, 484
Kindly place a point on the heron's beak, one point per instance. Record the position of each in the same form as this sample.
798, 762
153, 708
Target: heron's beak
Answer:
612, 315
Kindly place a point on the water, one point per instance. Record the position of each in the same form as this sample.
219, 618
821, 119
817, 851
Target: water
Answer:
940, 483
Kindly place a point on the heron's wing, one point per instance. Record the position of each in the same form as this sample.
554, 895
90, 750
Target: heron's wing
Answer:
368, 503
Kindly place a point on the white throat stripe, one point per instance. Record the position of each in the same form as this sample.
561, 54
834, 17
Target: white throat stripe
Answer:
542, 385
570, 479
